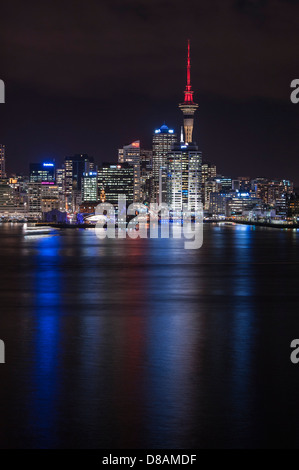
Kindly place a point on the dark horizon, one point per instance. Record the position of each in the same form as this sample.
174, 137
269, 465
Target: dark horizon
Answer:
91, 79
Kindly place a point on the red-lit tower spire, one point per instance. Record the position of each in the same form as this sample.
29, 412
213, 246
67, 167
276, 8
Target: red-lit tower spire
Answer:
188, 107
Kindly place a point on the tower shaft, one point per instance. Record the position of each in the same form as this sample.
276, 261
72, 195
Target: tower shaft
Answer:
188, 107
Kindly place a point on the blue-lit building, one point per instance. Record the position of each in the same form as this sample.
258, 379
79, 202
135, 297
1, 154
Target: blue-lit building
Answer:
42, 173
239, 204
163, 141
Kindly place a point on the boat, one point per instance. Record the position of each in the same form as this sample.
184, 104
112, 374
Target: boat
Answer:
33, 229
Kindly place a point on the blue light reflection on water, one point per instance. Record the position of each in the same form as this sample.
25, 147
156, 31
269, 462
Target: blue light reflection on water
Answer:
145, 344
46, 379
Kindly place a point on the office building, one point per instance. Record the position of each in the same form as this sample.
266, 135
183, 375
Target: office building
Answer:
43, 173
60, 182
131, 154
116, 180
225, 183
210, 186
34, 200
163, 141
75, 166
146, 175
90, 187
49, 198
218, 203
10, 203
240, 204
209, 173
184, 177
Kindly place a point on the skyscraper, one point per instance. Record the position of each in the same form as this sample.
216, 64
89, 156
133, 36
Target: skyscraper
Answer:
90, 187
75, 167
131, 154
146, 174
188, 107
184, 178
209, 173
115, 181
163, 141
60, 181
2, 162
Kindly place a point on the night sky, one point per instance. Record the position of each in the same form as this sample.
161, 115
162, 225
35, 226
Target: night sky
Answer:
92, 76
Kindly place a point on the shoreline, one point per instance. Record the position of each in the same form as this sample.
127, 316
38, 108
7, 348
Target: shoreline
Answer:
216, 222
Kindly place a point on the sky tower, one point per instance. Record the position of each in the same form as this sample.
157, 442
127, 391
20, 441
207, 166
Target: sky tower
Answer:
188, 107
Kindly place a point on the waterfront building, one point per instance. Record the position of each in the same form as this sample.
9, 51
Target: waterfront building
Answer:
293, 205
49, 198
240, 203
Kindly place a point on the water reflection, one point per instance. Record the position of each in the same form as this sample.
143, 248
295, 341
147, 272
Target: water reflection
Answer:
140, 343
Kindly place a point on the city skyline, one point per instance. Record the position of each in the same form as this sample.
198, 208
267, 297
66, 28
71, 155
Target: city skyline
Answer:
243, 100
149, 227
172, 171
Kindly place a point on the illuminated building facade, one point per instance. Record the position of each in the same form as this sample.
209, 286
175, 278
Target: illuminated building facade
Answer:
49, 198
60, 179
224, 183
116, 180
42, 173
34, 200
209, 173
244, 184
131, 154
184, 177
146, 175
75, 166
163, 141
90, 187
293, 205
60, 182
210, 186
9, 201
217, 204
239, 203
